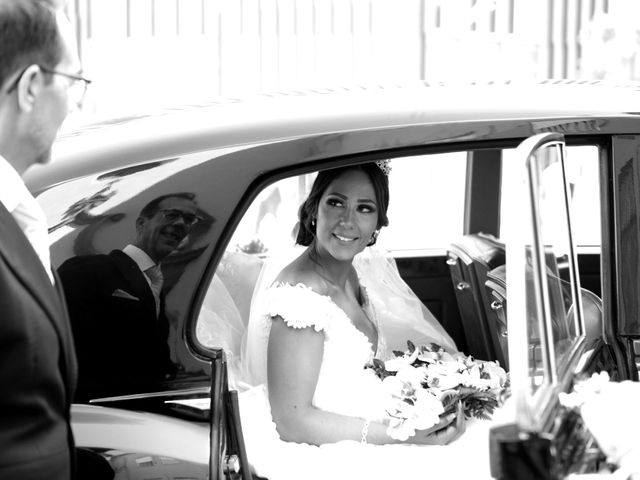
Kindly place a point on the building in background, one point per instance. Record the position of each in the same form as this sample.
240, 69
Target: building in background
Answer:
147, 54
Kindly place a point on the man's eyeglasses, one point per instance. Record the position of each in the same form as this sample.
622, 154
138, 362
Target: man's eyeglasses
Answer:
78, 87
172, 215
75, 92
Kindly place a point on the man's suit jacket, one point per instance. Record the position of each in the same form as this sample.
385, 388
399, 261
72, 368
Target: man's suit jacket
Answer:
37, 365
120, 341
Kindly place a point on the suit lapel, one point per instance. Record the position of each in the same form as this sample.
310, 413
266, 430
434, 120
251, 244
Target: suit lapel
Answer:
136, 280
20, 256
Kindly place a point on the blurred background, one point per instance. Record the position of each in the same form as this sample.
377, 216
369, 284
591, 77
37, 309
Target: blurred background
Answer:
148, 54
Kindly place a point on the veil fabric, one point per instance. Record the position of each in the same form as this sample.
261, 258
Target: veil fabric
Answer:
401, 315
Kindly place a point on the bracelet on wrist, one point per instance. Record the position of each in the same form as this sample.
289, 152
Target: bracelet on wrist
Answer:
365, 431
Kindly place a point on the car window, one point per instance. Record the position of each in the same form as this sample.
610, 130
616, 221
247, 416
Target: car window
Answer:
542, 276
582, 174
267, 231
415, 222
426, 211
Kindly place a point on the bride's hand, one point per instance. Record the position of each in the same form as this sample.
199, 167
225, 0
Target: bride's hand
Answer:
451, 426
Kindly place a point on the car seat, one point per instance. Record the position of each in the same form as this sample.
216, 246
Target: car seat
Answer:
496, 289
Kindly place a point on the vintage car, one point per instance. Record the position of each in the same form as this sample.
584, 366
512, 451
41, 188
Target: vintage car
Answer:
536, 180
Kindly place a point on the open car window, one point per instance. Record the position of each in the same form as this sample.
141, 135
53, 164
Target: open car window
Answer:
267, 232
584, 186
545, 319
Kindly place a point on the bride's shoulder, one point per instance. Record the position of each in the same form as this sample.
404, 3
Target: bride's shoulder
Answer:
300, 302
306, 280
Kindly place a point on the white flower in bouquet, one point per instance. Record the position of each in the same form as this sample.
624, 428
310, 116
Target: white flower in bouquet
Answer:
410, 407
414, 375
446, 375
400, 362
484, 378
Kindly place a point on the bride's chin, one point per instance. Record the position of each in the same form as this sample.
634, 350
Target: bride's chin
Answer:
343, 254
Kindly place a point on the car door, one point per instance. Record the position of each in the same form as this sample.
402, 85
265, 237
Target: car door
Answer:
548, 344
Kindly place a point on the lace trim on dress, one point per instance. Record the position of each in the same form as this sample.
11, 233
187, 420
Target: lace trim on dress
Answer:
300, 306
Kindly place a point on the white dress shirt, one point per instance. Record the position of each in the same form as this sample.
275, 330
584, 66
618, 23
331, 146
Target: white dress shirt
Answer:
141, 258
144, 263
27, 212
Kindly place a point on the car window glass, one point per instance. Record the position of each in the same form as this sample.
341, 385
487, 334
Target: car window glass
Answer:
582, 174
541, 273
267, 231
512, 209
555, 238
426, 210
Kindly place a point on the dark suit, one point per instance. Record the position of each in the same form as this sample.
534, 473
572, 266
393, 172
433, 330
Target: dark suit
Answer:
120, 341
37, 365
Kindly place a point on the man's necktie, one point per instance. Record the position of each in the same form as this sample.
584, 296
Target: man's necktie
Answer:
155, 276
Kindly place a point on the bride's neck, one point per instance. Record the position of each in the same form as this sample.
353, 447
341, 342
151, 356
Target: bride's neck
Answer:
330, 269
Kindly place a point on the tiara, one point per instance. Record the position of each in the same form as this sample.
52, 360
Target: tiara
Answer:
385, 166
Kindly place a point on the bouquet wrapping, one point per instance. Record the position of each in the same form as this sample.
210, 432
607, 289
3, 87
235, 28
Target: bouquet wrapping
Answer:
425, 382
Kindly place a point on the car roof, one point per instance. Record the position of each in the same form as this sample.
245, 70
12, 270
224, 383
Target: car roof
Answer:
226, 122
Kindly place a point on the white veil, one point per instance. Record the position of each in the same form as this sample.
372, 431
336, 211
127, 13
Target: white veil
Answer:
400, 313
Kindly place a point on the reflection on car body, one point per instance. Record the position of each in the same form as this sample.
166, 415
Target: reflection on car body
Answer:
227, 153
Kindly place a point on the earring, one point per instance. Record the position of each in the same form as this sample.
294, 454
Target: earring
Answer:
313, 222
374, 238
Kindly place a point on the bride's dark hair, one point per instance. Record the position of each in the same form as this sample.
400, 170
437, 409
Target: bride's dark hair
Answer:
309, 209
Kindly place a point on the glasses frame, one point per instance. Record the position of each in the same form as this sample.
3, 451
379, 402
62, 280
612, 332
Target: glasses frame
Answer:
181, 214
75, 77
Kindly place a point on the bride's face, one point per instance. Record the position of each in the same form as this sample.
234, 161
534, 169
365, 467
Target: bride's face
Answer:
347, 215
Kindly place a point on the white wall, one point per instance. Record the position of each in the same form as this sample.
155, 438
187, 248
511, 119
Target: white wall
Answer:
146, 54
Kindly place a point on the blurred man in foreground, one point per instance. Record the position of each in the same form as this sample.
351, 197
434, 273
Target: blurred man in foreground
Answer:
39, 73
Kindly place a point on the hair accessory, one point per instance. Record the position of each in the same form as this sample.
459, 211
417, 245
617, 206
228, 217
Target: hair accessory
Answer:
365, 431
385, 166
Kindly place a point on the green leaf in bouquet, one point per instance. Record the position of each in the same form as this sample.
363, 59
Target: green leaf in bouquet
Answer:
411, 346
481, 405
449, 399
377, 363
379, 369
465, 391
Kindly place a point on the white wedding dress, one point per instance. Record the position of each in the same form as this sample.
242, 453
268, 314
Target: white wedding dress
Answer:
346, 387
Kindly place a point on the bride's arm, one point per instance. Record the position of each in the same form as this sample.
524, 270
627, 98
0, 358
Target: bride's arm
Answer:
294, 359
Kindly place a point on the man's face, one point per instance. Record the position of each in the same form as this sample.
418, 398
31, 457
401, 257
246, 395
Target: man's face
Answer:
161, 234
52, 105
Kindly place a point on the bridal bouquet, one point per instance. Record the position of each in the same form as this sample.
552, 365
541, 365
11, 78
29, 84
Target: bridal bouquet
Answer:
425, 382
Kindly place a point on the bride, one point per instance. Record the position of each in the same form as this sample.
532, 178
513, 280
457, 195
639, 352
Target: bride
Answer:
315, 411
